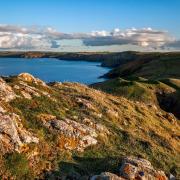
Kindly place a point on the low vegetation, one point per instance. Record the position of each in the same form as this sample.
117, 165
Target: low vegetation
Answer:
127, 128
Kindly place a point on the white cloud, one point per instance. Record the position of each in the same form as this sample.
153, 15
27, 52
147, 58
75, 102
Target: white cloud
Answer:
142, 37
45, 38
99, 33
16, 37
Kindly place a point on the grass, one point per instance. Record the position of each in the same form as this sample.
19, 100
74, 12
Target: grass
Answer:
17, 164
129, 131
151, 68
137, 89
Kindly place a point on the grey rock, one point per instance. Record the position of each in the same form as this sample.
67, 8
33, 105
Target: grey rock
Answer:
6, 92
139, 168
106, 176
12, 133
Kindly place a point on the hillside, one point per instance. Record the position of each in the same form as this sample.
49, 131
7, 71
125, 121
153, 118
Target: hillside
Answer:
69, 130
151, 67
150, 78
164, 93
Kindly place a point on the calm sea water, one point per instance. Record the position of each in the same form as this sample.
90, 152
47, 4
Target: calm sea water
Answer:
50, 69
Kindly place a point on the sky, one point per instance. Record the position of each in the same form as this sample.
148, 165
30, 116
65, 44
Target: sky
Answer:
90, 25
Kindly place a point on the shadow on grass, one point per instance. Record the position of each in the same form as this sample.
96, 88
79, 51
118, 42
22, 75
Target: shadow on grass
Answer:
82, 166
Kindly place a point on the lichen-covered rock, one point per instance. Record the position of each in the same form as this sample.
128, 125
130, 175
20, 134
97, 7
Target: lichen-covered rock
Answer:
85, 103
13, 135
133, 168
128, 171
98, 127
74, 135
138, 168
31, 79
28, 91
106, 176
112, 113
26, 95
6, 92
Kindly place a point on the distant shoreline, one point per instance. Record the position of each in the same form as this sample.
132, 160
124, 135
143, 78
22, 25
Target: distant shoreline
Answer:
107, 59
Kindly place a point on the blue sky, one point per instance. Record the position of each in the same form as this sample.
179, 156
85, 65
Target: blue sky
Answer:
69, 16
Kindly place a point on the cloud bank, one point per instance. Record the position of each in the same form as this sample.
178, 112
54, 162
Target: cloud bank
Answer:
47, 38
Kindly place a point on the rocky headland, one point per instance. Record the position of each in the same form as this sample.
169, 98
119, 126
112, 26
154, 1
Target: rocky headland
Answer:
71, 131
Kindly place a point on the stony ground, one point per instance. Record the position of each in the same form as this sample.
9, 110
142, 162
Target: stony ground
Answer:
69, 130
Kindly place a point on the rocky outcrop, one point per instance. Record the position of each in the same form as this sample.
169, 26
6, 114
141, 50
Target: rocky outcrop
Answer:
74, 135
106, 176
6, 92
133, 168
13, 136
138, 168
28, 91
31, 79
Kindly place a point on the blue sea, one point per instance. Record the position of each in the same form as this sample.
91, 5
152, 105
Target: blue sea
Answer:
51, 69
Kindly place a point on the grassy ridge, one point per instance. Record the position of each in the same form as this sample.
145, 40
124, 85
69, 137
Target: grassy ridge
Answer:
151, 68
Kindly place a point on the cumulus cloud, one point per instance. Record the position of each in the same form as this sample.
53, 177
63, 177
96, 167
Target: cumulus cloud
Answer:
17, 37
142, 37
35, 37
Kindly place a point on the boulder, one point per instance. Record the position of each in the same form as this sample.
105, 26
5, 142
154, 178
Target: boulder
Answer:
112, 113
28, 91
30, 78
6, 92
139, 168
106, 176
72, 134
26, 95
13, 136
128, 171
85, 103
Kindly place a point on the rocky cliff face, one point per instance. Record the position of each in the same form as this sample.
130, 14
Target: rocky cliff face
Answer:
68, 130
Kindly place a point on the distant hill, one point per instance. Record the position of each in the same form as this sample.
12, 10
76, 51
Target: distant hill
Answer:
152, 66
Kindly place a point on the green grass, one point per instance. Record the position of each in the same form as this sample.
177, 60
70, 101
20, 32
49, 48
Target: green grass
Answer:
155, 68
138, 89
17, 164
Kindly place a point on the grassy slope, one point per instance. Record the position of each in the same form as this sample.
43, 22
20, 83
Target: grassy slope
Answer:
159, 69
137, 130
164, 93
151, 68
138, 89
